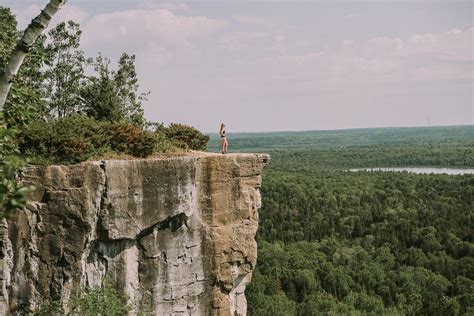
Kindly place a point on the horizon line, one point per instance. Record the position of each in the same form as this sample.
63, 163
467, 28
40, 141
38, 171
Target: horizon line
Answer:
338, 129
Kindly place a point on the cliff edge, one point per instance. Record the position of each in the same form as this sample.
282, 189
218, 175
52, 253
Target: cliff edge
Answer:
176, 235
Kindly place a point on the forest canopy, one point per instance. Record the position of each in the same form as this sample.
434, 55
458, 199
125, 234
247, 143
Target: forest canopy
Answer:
381, 243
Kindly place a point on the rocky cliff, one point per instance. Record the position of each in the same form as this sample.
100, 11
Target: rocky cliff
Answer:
176, 235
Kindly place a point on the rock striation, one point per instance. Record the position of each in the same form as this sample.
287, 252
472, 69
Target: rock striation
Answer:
176, 235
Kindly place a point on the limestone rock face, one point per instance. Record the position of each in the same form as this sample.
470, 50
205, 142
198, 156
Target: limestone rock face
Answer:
176, 235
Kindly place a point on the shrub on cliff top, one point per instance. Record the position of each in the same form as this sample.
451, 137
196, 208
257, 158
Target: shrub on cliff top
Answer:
72, 139
131, 139
186, 137
78, 137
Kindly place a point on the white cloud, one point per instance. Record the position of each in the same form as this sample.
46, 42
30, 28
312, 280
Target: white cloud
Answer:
382, 46
422, 38
453, 45
165, 5
139, 27
420, 57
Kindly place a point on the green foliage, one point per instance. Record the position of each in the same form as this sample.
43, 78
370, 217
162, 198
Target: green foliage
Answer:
133, 140
277, 304
98, 301
64, 75
186, 137
99, 96
49, 308
112, 95
322, 303
24, 105
375, 241
12, 194
126, 82
368, 243
74, 138
25, 101
78, 137
8, 34
16, 113
103, 301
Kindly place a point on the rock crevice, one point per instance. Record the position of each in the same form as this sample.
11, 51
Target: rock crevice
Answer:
177, 235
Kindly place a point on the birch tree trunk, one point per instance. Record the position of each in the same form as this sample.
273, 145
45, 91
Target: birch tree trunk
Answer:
32, 32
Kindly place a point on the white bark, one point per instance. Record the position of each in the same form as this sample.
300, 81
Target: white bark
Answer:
31, 34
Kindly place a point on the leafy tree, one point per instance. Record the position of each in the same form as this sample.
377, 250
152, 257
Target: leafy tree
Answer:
113, 94
25, 101
277, 304
365, 302
101, 301
27, 41
322, 304
64, 75
8, 35
12, 195
127, 85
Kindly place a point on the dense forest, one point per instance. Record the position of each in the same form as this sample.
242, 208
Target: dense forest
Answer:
338, 242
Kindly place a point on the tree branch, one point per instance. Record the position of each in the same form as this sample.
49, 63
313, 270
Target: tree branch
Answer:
31, 34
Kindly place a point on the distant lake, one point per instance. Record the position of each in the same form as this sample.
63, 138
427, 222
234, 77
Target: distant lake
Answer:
450, 171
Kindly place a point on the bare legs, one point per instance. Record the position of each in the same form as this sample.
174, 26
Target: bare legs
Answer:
224, 145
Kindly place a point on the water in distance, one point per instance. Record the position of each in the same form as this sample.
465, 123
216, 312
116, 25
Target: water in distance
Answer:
450, 171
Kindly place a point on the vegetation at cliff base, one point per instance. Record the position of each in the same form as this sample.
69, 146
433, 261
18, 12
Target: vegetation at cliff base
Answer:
98, 301
372, 243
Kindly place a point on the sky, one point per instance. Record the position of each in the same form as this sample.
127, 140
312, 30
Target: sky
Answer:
287, 65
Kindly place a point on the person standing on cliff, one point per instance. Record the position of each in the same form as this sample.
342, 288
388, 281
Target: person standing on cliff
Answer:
224, 143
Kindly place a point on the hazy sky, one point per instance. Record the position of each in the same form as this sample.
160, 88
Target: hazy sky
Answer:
288, 65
